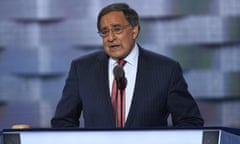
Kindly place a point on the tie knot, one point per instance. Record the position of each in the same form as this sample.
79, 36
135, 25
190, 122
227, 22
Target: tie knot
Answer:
121, 62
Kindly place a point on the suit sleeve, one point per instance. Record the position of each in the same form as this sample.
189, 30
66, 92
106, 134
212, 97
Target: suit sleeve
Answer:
182, 106
69, 107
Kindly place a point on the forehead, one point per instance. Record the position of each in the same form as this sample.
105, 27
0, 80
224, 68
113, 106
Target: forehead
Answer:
113, 18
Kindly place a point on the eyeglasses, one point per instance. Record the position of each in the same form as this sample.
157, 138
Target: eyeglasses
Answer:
116, 29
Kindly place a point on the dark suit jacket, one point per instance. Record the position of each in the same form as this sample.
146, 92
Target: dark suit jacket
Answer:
160, 90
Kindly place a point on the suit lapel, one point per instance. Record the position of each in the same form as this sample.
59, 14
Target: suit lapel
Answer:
102, 74
139, 85
103, 87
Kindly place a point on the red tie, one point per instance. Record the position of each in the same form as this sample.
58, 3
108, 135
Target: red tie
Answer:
118, 101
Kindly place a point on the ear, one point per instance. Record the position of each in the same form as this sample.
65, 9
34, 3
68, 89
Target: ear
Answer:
135, 31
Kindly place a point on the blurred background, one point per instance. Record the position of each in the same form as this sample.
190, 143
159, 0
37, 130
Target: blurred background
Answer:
39, 38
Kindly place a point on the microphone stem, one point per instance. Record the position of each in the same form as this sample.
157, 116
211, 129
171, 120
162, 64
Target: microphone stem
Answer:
121, 103
116, 106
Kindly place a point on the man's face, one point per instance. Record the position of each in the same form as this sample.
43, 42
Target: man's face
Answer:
119, 36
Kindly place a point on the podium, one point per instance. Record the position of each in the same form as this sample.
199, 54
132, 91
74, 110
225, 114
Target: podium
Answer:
122, 136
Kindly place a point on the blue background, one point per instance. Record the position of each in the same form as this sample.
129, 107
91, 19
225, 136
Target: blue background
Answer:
39, 38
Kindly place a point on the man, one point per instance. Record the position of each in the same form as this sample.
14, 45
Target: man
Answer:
155, 85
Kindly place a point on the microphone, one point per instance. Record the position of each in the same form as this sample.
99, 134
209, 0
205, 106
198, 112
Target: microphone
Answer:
119, 76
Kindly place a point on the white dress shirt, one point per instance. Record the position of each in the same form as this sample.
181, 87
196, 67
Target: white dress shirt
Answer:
130, 69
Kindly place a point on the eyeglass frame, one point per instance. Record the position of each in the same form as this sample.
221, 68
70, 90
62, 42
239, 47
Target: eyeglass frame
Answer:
113, 29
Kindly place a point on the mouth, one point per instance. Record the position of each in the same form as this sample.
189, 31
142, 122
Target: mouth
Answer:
115, 46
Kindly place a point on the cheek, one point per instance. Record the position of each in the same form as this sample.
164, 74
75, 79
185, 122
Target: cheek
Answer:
104, 41
127, 40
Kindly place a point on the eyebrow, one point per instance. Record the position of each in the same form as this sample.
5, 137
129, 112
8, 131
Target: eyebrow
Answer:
112, 25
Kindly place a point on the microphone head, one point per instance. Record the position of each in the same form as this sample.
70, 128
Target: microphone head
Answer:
119, 76
118, 72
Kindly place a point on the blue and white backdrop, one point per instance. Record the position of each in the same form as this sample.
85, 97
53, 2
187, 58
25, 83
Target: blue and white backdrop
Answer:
39, 38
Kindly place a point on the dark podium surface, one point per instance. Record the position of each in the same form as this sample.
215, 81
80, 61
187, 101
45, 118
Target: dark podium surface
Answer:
210, 135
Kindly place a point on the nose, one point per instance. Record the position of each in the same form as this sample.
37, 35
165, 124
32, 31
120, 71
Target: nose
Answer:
111, 36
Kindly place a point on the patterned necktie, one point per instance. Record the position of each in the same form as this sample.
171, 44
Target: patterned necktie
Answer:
118, 100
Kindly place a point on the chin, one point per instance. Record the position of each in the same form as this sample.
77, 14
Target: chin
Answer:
115, 56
